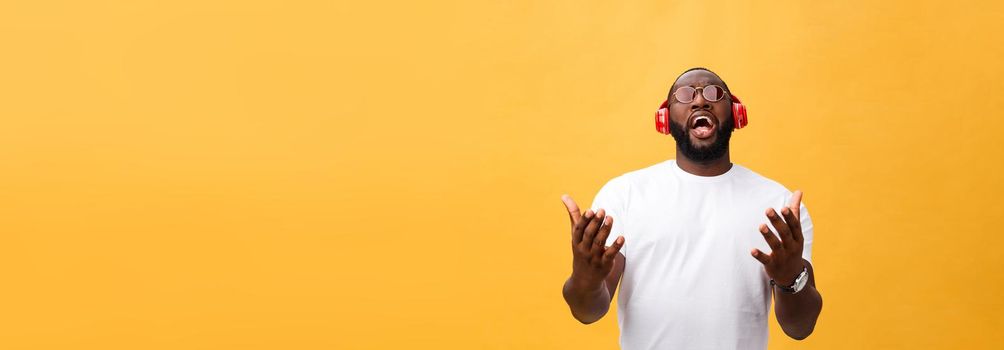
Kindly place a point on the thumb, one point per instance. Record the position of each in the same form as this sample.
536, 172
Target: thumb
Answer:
573, 209
795, 204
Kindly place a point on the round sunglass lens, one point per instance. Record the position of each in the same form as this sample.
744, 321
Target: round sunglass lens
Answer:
685, 94
713, 93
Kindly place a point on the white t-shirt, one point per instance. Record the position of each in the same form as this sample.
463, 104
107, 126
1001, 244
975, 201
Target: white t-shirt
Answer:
689, 280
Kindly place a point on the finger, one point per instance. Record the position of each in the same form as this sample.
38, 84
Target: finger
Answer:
611, 252
601, 238
772, 241
794, 225
780, 226
796, 204
580, 226
591, 228
763, 258
573, 209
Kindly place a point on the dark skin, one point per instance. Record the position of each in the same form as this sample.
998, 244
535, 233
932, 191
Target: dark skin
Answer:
596, 269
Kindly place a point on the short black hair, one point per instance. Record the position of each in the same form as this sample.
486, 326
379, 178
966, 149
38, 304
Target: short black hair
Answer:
726, 86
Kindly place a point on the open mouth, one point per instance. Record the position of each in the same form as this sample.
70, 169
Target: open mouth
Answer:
702, 127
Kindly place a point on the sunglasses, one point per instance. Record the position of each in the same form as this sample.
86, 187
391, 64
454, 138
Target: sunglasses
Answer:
711, 93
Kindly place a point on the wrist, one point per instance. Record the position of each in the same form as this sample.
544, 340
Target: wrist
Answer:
584, 284
786, 281
791, 274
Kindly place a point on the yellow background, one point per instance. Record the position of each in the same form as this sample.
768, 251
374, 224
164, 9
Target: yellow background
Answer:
386, 175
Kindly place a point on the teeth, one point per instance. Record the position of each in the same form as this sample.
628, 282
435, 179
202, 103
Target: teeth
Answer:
702, 117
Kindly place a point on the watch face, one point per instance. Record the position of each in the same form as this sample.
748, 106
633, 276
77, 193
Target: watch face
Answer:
802, 279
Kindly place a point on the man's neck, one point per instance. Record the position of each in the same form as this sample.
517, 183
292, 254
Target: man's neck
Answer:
712, 167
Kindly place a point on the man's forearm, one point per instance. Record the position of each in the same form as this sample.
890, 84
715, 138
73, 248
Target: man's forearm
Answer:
588, 304
797, 313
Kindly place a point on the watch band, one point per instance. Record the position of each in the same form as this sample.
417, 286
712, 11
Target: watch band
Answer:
797, 285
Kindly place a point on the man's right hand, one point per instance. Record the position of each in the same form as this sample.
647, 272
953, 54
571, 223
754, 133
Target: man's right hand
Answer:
591, 259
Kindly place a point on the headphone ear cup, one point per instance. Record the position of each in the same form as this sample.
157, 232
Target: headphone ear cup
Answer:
739, 113
662, 121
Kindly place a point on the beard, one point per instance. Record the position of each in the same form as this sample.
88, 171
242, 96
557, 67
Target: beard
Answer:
714, 151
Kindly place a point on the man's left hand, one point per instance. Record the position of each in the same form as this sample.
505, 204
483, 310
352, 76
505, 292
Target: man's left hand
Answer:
784, 263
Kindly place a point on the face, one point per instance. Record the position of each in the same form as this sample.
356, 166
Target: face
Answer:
702, 128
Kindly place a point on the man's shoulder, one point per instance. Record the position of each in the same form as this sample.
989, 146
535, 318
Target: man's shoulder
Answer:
755, 180
640, 175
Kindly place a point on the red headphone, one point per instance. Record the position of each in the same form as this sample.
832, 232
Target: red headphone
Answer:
662, 115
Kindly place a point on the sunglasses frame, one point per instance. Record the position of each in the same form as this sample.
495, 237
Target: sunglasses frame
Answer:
693, 95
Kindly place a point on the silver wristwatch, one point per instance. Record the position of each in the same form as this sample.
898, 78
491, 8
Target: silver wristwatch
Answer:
796, 286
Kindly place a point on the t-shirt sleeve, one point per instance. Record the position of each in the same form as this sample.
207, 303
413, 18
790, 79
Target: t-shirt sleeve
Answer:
806, 233
612, 198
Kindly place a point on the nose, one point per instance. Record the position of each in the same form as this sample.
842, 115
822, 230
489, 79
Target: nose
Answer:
699, 102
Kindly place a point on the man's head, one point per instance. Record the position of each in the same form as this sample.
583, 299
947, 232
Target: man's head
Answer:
701, 139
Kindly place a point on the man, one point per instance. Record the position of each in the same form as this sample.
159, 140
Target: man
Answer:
692, 241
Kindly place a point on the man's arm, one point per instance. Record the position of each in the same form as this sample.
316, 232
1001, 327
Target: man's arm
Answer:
588, 305
596, 269
797, 313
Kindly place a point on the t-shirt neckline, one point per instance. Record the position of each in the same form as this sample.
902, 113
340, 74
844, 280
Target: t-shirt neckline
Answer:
684, 175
